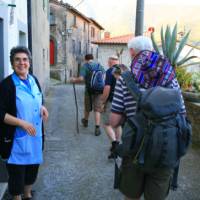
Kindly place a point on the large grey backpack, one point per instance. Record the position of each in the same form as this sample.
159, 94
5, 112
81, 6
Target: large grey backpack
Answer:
157, 136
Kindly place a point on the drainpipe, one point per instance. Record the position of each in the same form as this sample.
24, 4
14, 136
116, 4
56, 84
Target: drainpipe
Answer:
88, 46
29, 19
65, 44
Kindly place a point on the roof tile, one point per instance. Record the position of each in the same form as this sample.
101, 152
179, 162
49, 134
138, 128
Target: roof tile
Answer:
115, 40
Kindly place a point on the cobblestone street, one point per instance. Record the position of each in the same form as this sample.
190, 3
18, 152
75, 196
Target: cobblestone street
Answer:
76, 166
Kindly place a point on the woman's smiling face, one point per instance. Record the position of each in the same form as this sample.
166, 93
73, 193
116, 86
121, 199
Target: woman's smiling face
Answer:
21, 64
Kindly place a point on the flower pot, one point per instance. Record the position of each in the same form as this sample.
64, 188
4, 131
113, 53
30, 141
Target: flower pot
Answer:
191, 96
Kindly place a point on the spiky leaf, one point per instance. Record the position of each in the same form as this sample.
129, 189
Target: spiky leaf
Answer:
172, 47
121, 51
167, 41
155, 46
163, 41
180, 47
189, 52
189, 64
184, 60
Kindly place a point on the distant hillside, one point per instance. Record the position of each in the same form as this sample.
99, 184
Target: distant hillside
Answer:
188, 18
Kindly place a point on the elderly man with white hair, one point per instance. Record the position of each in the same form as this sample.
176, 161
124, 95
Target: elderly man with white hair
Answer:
135, 180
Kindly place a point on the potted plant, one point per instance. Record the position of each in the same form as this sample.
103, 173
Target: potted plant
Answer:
172, 48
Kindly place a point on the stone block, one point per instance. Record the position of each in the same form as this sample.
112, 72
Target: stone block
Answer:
193, 111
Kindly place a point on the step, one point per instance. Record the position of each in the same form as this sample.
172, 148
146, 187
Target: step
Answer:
3, 187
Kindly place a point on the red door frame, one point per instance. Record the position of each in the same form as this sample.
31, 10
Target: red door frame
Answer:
52, 52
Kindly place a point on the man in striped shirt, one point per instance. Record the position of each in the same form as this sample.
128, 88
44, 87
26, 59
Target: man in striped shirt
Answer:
155, 184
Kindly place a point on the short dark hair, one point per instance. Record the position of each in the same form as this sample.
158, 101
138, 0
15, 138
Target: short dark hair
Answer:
89, 57
117, 70
19, 49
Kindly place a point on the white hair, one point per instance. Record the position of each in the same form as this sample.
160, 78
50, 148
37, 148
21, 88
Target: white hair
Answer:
140, 43
113, 57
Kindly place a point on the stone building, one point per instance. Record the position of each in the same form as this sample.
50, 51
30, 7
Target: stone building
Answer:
113, 46
25, 22
39, 39
71, 34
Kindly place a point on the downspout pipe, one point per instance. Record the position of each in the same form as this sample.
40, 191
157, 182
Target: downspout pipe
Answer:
29, 20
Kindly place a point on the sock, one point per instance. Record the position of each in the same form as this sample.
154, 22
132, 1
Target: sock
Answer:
97, 126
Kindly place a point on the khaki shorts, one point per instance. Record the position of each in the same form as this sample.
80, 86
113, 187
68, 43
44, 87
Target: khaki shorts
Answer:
93, 102
106, 113
135, 181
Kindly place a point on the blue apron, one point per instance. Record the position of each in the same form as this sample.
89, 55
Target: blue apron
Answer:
26, 149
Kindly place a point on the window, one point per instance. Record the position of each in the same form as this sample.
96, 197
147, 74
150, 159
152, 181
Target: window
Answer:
22, 38
74, 22
52, 19
84, 27
46, 7
97, 53
43, 56
79, 48
93, 32
73, 46
86, 49
44, 4
70, 73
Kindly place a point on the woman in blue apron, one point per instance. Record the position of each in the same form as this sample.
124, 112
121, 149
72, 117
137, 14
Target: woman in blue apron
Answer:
21, 118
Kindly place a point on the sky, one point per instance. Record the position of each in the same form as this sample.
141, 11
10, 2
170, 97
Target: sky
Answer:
118, 16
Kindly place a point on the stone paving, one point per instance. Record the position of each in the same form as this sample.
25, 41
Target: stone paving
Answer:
76, 166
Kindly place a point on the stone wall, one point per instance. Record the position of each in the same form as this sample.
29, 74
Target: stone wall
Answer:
40, 41
71, 33
193, 110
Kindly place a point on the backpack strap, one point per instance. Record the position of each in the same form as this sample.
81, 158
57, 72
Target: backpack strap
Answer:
131, 85
89, 67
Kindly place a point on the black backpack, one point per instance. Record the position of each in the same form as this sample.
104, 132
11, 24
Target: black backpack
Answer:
157, 135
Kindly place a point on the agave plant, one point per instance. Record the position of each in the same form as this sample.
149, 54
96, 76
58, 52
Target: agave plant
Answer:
119, 54
172, 48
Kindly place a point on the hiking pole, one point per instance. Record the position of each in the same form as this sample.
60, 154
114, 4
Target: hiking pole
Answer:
76, 103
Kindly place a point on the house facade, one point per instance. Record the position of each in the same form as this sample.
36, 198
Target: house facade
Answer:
113, 46
13, 31
39, 40
25, 23
71, 34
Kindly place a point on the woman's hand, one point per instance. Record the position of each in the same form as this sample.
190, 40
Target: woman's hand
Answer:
44, 114
28, 127
14, 121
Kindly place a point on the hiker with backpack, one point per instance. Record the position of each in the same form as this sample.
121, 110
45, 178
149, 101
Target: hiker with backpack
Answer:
156, 132
92, 74
110, 81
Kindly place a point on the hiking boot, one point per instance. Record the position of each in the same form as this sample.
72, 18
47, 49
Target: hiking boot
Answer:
114, 146
84, 122
113, 154
97, 131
